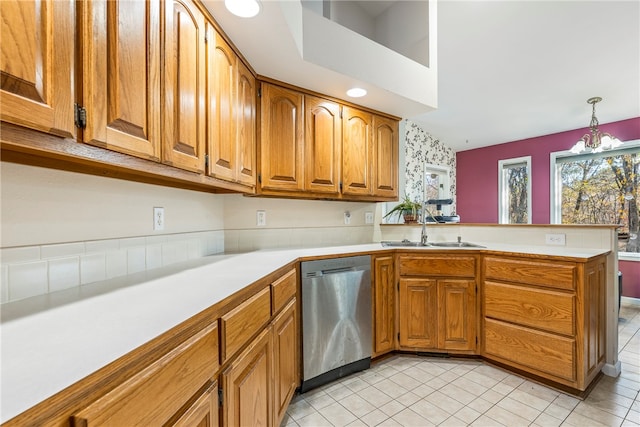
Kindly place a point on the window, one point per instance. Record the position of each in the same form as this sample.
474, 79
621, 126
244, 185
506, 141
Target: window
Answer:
598, 188
436, 185
514, 189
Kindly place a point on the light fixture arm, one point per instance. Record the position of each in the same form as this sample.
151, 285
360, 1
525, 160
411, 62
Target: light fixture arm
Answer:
595, 141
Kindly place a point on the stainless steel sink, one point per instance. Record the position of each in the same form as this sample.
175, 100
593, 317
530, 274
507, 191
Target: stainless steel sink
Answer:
455, 245
401, 244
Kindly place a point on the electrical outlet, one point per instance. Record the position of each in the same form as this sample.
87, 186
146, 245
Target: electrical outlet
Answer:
158, 219
347, 218
261, 218
555, 239
368, 217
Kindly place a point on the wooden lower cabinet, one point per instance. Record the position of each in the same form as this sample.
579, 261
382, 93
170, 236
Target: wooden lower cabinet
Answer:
285, 357
156, 394
437, 314
437, 302
247, 385
203, 412
384, 291
456, 314
259, 383
546, 317
418, 305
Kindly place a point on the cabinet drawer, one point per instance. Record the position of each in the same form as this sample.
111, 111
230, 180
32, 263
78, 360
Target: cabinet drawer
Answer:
538, 308
154, 395
244, 321
558, 275
543, 352
283, 289
445, 265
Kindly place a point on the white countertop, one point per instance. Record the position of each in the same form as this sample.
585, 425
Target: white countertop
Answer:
52, 341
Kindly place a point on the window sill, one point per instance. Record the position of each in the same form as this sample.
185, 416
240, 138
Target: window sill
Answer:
628, 256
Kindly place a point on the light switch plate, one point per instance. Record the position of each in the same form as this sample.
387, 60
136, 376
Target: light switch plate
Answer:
556, 239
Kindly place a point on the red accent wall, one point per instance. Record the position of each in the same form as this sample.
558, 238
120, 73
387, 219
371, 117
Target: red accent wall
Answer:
630, 278
477, 171
477, 181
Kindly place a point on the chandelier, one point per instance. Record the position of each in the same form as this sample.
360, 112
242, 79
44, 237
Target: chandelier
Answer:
595, 141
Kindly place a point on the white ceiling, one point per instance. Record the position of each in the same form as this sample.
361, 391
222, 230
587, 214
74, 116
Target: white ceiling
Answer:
507, 70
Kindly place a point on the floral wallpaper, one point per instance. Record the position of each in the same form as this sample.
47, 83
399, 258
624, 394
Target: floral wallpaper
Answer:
420, 148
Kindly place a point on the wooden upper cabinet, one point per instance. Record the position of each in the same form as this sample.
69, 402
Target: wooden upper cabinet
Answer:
386, 156
183, 112
357, 152
246, 127
37, 65
322, 138
121, 76
231, 114
281, 139
221, 96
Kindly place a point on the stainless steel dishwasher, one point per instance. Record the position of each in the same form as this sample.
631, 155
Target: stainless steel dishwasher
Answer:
336, 318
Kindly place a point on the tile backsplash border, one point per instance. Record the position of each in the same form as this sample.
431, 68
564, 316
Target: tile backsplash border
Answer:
40, 269
28, 271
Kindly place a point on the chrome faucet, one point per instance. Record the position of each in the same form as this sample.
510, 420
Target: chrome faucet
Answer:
423, 234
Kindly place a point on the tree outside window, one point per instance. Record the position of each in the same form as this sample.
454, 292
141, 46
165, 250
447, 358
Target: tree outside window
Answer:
601, 189
514, 184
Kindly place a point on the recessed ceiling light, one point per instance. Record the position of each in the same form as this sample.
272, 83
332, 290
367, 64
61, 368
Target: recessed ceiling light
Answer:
356, 92
243, 8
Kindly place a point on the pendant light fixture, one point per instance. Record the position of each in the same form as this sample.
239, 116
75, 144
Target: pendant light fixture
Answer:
595, 141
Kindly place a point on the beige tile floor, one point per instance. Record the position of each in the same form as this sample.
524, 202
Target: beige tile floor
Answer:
419, 391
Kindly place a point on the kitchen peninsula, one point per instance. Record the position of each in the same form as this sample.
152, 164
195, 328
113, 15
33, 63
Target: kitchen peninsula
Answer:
190, 310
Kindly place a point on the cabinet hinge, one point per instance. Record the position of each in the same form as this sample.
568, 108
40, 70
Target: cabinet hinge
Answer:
398, 286
206, 160
220, 397
340, 185
80, 116
341, 111
398, 336
259, 178
259, 91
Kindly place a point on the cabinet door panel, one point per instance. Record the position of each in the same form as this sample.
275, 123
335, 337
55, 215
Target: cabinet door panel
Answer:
121, 76
281, 139
357, 151
203, 413
384, 305
418, 315
322, 145
246, 126
184, 84
247, 385
457, 314
37, 64
221, 88
285, 356
386, 156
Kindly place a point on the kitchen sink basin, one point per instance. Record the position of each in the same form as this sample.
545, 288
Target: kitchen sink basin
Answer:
455, 245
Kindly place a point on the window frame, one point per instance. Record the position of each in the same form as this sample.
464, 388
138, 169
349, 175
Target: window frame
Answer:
503, 209
555, 193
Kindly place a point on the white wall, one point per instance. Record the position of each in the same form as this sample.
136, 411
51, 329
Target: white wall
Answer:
61, 229
43, 206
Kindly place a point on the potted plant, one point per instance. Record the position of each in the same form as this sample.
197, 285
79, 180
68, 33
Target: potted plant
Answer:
408, 209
